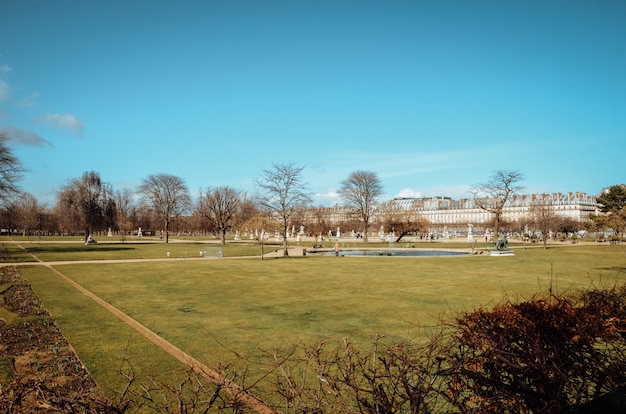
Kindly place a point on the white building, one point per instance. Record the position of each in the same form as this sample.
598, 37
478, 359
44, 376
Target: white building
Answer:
441, 211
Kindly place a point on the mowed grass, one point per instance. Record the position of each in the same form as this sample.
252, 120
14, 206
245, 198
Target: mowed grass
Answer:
213, 309
106, 345
75, 250
25, 249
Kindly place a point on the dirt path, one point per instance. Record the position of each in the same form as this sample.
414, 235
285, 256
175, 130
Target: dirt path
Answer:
237, 392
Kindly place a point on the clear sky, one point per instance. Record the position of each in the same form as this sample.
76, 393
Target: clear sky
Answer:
433, 96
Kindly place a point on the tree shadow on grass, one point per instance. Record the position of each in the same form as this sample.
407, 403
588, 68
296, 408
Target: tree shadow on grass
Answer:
78, 248
614, 269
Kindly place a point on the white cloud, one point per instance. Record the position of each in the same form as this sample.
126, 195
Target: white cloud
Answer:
30, 101
4, 91
26, 137
63, 121
329, 198
408, 193
4, 69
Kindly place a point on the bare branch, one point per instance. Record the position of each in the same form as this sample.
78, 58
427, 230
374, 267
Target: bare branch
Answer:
167, 195
282, 192
493, 195
361, 190
11, 170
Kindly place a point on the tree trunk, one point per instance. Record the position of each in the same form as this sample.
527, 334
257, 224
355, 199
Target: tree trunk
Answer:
496, 226
223, 236
285, 249
167, 231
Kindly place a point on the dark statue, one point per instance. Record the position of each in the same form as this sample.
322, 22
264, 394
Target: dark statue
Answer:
502, 243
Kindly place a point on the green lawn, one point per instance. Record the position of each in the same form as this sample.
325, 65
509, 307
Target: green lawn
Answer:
21, 249
55, 250
213, 308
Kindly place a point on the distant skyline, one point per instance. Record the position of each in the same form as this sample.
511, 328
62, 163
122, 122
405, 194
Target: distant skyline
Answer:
433, 96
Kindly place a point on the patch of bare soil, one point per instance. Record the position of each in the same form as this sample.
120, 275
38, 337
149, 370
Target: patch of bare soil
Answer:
39, 370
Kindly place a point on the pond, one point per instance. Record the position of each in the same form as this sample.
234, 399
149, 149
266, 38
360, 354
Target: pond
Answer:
391, 252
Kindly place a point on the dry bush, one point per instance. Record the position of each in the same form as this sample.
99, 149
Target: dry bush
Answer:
540, 356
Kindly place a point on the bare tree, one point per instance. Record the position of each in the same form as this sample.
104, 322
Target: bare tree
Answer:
361, 190
403, 221
493, 195
247, 209
23, 213
124, 204
86, 202
167, 195
30, 213
319, 220
265, 223
220, 205
281, 192
10, 170
544, 217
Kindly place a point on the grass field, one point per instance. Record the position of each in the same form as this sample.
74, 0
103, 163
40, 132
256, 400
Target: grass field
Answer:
214, 308
59, 249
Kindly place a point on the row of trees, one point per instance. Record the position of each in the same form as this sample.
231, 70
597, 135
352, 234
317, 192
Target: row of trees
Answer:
88, 204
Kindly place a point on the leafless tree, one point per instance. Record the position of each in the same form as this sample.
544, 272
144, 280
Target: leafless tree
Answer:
220, 205
403, 221
544, 217
146, 218
9, 216
493, 195
319, 220
10, 170
281, 191
167, 195
29, 212
124, 203
361, 190
86, 202
260, 225
247, 210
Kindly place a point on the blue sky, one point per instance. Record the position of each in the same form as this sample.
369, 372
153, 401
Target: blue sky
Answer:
433, 96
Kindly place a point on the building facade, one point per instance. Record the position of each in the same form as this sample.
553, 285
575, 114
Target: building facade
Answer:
445, 212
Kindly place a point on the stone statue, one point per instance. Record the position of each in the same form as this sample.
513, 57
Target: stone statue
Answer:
502, 243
